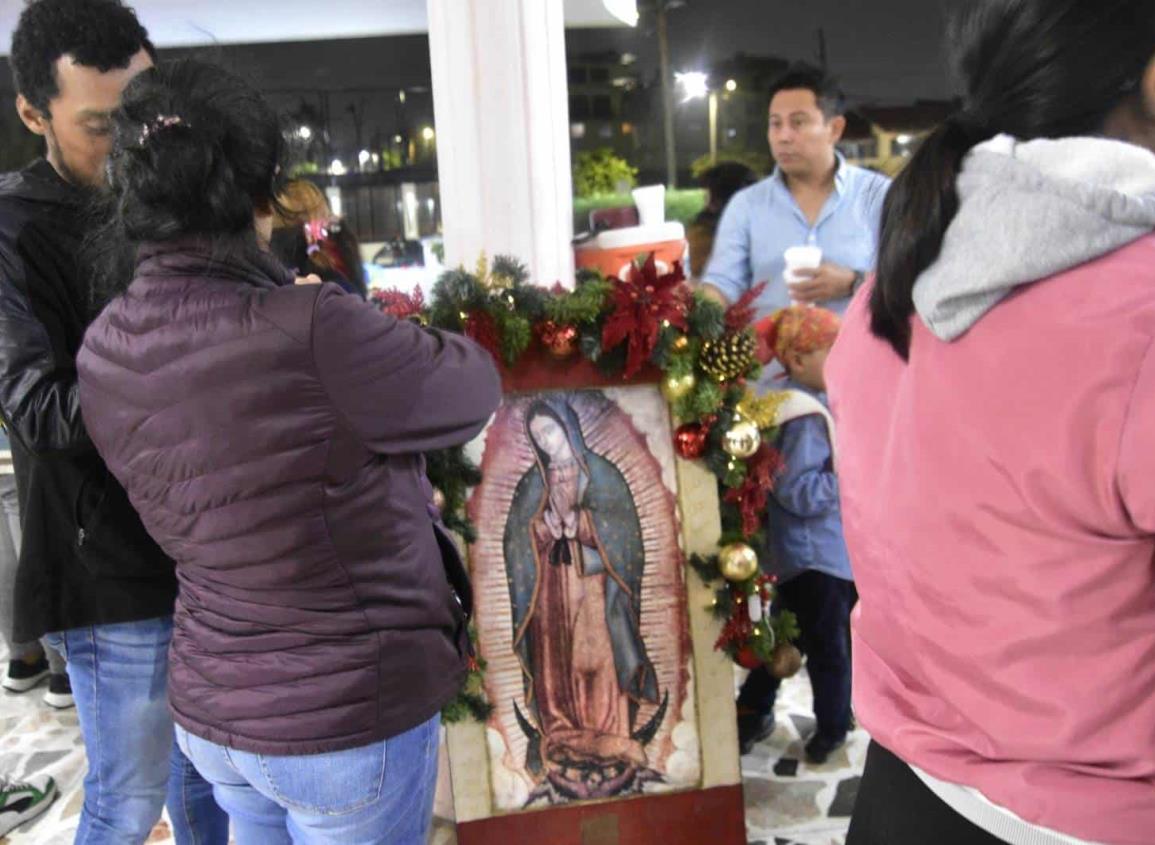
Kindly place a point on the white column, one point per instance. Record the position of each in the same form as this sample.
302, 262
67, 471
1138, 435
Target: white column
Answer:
501, 103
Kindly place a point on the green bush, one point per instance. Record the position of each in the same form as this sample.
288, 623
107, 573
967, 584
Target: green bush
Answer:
682, 206
599, 172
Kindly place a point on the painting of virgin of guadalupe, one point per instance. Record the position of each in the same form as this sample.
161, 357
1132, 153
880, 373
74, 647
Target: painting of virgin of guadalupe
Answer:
593, 684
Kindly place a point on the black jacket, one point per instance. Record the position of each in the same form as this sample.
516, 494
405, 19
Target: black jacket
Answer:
86, 559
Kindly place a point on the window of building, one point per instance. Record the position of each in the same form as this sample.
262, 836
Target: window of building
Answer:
579, 108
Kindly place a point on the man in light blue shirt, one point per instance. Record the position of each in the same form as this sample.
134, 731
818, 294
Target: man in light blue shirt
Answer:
813, 198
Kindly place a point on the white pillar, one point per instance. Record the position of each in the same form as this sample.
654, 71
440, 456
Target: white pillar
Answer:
501, 102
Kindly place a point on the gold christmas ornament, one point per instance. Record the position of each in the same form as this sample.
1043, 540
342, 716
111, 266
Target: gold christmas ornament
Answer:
785, 661
737, 562
742, 439
681, 343
678, 387
728, 358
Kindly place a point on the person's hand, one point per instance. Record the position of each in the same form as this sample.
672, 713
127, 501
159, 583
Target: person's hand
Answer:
828, 282
311, 279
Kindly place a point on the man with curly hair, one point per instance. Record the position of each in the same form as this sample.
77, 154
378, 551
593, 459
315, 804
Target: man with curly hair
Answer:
89, 578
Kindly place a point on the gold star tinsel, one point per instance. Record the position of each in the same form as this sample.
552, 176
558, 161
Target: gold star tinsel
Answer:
762, 410
495, 282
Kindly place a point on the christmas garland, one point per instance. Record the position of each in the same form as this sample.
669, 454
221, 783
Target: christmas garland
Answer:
705, 354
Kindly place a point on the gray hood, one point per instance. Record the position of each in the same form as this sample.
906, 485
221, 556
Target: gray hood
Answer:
1028, 211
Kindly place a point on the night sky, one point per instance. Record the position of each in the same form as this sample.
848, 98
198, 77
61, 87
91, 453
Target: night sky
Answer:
884, 51
887, 51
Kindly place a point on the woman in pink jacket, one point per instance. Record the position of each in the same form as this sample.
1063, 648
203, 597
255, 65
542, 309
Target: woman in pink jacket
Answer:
995, 397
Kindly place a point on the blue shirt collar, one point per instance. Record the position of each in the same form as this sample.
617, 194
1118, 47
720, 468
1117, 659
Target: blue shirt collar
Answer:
841, 174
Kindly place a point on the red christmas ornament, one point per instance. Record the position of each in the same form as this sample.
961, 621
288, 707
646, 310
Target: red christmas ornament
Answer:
641, 304
690, 440
746, 658
560, 341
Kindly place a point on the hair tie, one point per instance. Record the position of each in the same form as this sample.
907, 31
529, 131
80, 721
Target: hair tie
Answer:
161, 123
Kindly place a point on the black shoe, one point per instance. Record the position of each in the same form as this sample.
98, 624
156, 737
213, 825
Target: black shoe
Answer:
752, 729
819, 749
59, 695
23, 676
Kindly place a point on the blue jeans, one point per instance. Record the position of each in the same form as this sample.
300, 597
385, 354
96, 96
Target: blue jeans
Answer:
119, 680
379, 794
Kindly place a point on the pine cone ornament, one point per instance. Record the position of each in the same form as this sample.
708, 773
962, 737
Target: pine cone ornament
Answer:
728, 358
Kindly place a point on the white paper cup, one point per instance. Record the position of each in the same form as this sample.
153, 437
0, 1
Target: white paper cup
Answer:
651, 203
802, 258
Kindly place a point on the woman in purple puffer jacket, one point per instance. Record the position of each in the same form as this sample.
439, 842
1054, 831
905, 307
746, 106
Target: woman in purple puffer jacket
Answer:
270, 435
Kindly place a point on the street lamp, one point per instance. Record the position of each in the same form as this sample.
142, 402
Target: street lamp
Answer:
428, 134
304, 133
363, 158
696, 84
731, 85
337, 167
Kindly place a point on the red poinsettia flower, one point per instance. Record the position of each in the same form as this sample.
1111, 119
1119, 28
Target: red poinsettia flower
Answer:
751, 497
741, 313
397, 303
640, 304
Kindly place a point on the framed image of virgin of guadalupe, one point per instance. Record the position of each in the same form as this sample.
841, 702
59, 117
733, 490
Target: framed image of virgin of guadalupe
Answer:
608, 698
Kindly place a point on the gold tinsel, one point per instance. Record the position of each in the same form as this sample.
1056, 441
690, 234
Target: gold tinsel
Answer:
489, 280
728, 358
762, 410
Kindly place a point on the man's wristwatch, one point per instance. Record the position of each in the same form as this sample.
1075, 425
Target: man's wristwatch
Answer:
859, 279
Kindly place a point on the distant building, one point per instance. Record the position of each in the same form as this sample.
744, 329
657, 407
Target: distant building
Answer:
884, 137
603, 107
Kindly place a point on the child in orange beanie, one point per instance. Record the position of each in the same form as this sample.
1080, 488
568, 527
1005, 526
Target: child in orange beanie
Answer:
805, 547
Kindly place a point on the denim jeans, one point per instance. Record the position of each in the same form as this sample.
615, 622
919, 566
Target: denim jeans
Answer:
119, 680
379, 794
822, 604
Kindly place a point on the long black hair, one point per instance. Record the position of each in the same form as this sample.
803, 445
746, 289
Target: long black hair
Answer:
197, 153
1031, 69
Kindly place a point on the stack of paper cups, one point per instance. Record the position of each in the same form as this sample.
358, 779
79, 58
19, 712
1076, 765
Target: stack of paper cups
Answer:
651, 203
800, 258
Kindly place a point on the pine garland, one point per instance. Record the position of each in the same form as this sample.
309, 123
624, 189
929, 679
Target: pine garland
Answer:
496, 301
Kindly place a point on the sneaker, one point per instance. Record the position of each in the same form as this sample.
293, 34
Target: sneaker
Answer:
819, 749
59, 693
23, 676
752, 729
22, 802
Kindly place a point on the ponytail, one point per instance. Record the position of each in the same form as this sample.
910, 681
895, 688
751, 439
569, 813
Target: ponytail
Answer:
1027, 68
919, 207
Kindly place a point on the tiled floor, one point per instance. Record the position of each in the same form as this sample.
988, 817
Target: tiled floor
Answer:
787, 801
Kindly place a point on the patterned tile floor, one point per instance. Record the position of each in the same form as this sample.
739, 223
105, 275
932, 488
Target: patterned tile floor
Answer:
787, 801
